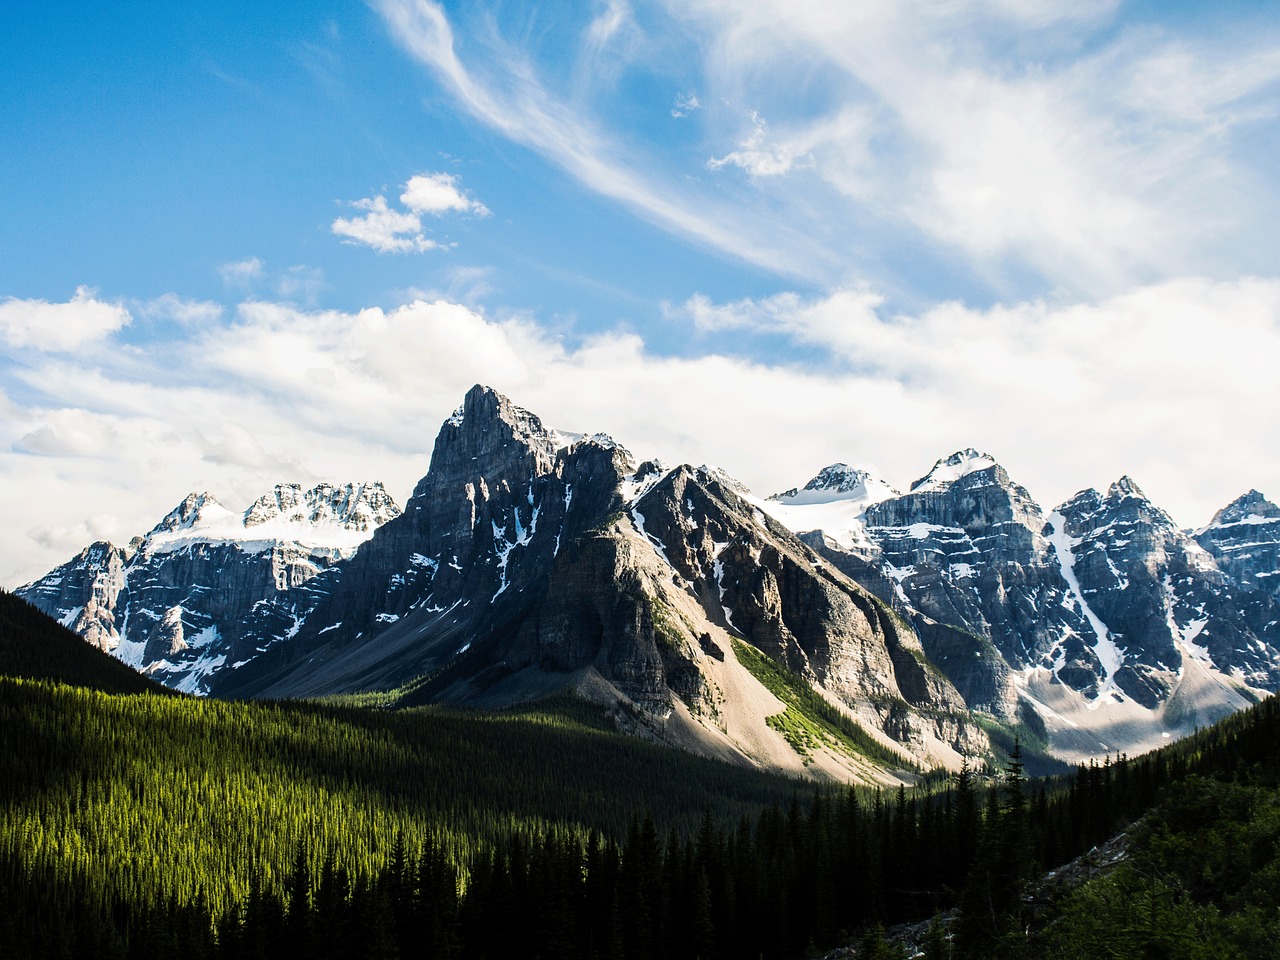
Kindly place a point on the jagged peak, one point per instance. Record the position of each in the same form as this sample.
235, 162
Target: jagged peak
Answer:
839, 481
1248, 507
950, 469
193, 509
1125, 487
354, 506
707, 472
338, 516
484, 404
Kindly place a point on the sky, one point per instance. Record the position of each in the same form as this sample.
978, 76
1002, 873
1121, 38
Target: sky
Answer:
247, 243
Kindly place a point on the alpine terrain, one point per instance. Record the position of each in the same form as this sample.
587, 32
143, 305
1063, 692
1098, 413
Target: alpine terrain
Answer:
844, 629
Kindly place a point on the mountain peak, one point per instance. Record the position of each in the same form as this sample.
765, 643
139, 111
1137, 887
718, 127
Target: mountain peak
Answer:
838, 481
950, 469
484, 405
1125, 487
193, 510
1250, 505
351, 506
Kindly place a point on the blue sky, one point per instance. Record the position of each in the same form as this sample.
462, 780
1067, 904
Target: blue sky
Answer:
248, 243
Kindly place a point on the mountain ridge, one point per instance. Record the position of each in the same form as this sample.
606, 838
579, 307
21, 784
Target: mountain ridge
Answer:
529, 560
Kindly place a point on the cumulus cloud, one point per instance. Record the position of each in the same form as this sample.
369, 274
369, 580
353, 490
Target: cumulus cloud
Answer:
1171, 383
383, 229
400, 231
41, 325
438, 193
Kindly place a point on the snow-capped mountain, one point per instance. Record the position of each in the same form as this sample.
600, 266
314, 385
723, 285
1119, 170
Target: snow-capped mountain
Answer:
1244, 537
1101, 622
206, 587
530, 560
523, 564
835, 501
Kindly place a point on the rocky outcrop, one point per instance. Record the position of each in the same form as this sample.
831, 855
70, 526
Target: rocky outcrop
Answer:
1162, 597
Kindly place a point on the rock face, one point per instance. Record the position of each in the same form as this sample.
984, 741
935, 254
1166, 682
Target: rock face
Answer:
529, 560
206, 588
1244, 537
1163, 599
1101, 616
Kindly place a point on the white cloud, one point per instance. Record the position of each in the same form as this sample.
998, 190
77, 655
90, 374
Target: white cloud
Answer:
400, 231
685, 104
1023, 136
71, 540
383, 229
170, 306
1025, 146
760, 158
241, 274
438, 193
1172, 383
612, 20
42, 325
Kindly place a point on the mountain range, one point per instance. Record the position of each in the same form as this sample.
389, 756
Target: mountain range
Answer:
842, 629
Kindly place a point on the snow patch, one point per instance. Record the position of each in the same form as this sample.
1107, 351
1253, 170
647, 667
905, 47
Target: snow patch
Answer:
1108, 653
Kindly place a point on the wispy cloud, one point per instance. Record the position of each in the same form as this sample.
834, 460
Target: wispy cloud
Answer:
685, 104
1027, 146
514, 102
760, 157
241, 274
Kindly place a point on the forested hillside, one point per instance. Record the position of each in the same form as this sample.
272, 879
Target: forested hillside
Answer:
35, 646
149, 825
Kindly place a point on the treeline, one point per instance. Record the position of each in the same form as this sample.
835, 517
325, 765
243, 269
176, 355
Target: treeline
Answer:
799, 876
153, 798
161, 826
36, 647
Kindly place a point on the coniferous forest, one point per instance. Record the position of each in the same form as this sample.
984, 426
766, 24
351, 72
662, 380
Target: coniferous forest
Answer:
137, 823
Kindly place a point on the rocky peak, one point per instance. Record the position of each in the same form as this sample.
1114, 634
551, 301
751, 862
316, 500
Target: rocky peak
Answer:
1125, 487
950, 469
351, 506
1251, 507
838, 481
488, 436
1244, 539
194, 508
